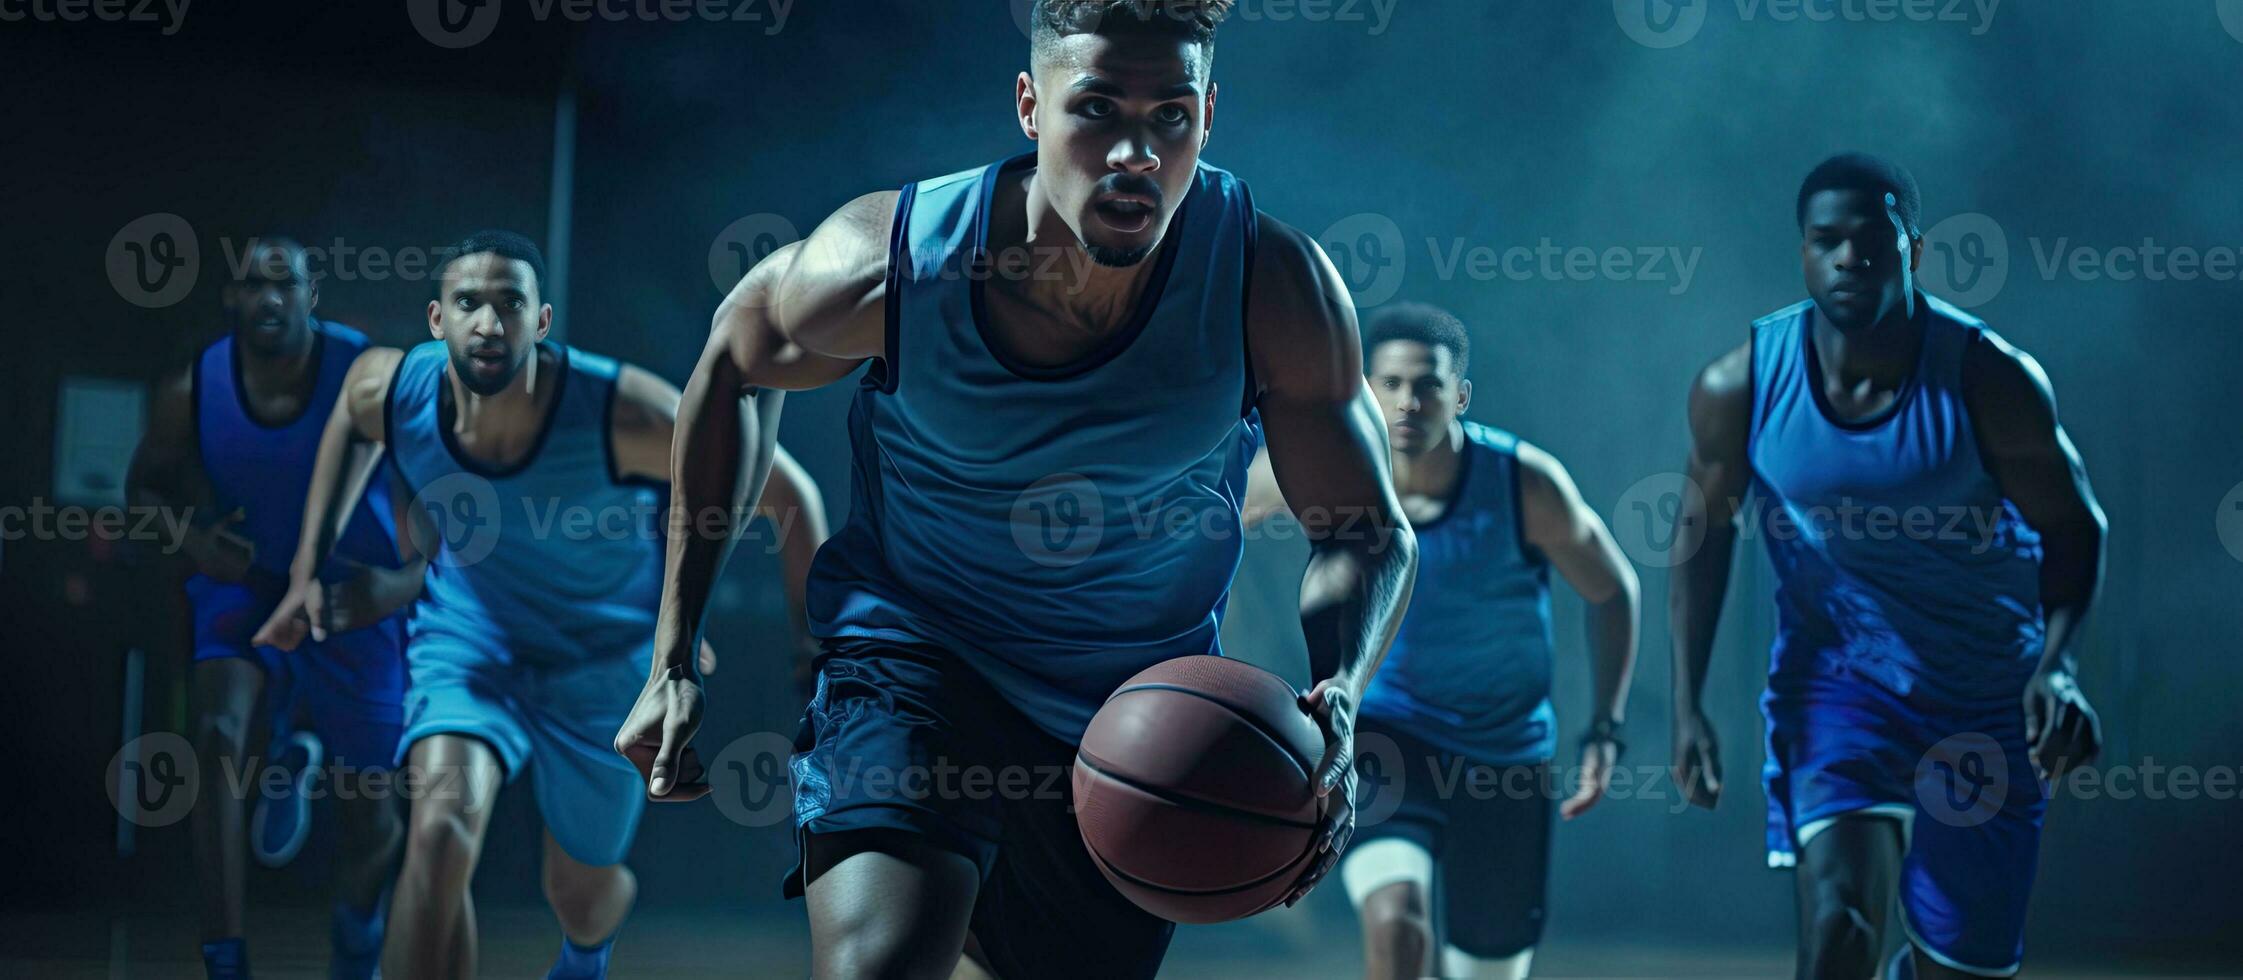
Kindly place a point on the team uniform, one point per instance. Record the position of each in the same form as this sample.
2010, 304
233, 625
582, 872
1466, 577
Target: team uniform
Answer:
1021, 540
536, 628
1904, 643
1464, 687
350, 688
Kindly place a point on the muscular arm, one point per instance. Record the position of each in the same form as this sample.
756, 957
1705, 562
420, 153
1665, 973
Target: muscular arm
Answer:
166, 473
1328, 452
340, 472
2013, 410
805, 316
1561, 525
1705, 538
1263, 499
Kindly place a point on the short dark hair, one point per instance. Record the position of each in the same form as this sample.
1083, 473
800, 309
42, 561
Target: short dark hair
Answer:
1425, 324
1864, 172
504, 244
1195, 20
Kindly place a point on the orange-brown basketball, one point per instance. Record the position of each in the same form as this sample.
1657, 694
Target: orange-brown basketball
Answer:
1193, 789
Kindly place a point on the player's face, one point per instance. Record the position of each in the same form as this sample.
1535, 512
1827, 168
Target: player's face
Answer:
1118, 123
270, 304
1420, 391
490, 319
1853, 258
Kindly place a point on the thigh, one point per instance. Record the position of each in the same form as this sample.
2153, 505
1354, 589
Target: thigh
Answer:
1972, 851
1495, 871
882, 730
590, 796
461, 692
1045, 908
456, 778
886, 902
1854, 864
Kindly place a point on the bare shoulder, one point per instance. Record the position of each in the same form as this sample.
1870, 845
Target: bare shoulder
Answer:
852, 243
1721, 396
1998, 373
1540, 474
643, 399
366, 387
1300, 318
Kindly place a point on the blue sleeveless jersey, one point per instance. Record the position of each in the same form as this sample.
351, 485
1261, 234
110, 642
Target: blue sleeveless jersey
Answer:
266, 470
1898, 562
1060, 528
1469, 671
553, 561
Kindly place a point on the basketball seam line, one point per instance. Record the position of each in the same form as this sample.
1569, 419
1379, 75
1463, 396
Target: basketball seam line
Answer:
1195, 804
1236, 711
1291, 865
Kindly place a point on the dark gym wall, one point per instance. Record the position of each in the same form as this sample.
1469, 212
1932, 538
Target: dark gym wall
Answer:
1452, 126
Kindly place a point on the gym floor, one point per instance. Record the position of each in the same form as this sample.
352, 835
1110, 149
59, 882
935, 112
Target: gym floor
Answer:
518, 942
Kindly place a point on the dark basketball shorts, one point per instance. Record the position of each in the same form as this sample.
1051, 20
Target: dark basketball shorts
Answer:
1487, 828
909, 738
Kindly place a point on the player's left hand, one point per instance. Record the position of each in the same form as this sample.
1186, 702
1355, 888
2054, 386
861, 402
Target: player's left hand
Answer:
2060, 726
1334, 710
1598, 756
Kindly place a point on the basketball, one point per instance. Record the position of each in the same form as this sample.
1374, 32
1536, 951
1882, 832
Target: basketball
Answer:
1194, 789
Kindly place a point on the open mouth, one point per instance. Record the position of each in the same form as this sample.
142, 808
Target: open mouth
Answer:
1127, 215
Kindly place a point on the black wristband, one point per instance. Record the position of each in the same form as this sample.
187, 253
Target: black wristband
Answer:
1605, 730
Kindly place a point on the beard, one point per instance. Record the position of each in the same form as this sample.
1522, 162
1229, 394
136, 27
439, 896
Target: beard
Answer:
1117, 258
463, 368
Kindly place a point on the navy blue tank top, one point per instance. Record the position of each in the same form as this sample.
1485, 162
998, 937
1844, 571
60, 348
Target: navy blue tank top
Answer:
1898, 561
266, 470
1469, 671
556, 560
1060, 529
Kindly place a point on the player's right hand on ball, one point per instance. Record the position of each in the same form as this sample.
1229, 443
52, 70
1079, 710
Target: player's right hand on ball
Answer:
1334, 711
656, 737
1697, 759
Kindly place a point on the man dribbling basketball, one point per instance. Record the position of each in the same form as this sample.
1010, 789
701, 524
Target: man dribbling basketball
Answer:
1048, 477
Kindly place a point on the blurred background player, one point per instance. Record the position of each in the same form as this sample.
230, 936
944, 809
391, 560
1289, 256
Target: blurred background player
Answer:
539, 470
1451, 884
1936, 546
235, 434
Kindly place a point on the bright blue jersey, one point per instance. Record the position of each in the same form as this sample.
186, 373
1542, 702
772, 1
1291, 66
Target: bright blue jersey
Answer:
1897, 559
1469, 670
265, 470
555, 560
1059, 528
